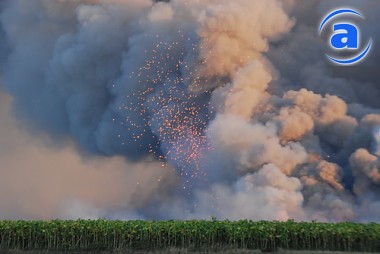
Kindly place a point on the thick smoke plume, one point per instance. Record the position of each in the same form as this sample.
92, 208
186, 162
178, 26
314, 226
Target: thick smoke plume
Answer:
185, 109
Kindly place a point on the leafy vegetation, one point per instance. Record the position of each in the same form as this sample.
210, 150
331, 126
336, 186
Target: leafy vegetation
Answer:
192, 235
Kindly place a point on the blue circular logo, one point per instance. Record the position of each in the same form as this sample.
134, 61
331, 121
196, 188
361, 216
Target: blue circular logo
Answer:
345, 36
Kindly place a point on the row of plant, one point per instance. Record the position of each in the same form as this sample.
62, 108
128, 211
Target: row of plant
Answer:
192, 235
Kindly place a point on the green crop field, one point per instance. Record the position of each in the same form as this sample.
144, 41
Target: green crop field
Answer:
104, 235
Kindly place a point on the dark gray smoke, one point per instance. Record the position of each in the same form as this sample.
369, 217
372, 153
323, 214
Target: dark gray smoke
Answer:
3, 44
235, 96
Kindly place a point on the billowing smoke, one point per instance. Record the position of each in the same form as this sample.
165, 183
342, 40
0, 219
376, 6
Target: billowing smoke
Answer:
186, 109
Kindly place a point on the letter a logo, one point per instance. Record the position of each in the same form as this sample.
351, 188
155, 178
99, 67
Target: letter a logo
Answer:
345, 37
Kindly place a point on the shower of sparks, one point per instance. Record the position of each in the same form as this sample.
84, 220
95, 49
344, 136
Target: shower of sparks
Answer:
170, 111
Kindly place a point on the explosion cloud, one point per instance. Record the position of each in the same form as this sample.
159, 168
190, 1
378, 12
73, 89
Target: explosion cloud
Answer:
185, 109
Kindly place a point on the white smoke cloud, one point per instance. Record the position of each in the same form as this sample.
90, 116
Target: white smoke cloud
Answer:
38, 182
235, 96
267, 194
